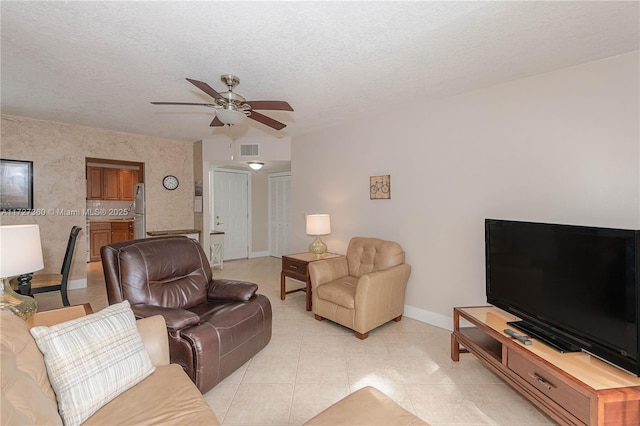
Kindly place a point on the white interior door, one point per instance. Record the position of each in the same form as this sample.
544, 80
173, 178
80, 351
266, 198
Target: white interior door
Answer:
279, 214
231, 212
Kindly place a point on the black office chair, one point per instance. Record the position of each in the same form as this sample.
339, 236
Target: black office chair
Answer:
42, 283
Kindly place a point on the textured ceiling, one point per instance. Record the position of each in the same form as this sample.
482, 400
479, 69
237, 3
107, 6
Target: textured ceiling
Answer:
99, 64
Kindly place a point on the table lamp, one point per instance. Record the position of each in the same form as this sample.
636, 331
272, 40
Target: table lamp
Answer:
20, 253
318, 224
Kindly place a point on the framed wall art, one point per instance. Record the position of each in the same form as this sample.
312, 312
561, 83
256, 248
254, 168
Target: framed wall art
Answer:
380, 187
16, 185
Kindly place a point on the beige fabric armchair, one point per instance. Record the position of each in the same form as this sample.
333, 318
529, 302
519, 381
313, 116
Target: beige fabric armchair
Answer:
363, 290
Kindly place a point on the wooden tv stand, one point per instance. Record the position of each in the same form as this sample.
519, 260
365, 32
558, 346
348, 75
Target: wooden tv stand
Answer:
573, 388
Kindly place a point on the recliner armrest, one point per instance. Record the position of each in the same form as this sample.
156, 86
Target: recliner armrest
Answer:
231, 290
175, 318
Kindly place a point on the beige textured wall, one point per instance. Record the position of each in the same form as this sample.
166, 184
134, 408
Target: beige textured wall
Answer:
58, 152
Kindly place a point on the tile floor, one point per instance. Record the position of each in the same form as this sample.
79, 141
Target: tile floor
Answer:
308, 365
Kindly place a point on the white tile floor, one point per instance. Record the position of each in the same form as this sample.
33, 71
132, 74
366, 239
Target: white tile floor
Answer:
308, 365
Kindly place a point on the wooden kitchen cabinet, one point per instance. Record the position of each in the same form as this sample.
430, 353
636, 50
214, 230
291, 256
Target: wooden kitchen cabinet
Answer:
111, 179
121, 231
126, 179
108, 183
99, 235
94, 183
103, 233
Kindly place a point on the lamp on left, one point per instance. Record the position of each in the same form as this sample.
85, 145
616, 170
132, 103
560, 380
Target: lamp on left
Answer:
20, 253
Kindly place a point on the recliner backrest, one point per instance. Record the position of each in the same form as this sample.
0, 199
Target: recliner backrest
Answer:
366, 255
172, 272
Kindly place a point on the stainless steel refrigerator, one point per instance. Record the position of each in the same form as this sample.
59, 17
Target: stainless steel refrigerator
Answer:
138, 212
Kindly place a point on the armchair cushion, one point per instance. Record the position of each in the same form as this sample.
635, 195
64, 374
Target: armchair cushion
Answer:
85, 378
341, 292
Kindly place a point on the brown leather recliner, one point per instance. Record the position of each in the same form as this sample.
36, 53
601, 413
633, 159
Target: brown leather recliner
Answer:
362, 290
214, 326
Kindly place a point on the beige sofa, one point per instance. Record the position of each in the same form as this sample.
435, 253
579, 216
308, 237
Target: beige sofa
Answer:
166, 397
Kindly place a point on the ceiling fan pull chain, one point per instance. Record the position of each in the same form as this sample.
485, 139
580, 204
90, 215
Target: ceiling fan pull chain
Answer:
230, 142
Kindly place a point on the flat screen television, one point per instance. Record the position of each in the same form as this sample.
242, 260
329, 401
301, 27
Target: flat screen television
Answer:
574, 287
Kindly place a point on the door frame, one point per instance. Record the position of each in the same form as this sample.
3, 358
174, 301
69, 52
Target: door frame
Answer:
249, 217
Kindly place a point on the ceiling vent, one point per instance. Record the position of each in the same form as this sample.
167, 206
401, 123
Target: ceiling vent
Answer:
249, 150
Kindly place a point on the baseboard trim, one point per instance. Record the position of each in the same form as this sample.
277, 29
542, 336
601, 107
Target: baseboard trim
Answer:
258, 254
76, 284
429, 317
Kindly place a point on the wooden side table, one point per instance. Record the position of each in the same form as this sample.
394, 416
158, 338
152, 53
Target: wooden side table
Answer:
296, 266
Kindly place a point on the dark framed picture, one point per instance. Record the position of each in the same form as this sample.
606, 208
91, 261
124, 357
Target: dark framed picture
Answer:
16, 185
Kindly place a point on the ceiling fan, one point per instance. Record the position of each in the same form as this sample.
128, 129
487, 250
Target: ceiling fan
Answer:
232, 108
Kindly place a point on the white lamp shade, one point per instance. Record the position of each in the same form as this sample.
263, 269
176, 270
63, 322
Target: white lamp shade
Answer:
318, 224
20, 250
230, 116
255, 165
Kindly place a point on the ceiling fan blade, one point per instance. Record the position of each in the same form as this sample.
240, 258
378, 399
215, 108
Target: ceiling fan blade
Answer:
216, 122
181, 103
205, 88
267, 120
270, 105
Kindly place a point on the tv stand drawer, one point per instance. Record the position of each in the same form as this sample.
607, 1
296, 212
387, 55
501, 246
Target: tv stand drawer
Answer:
550, 383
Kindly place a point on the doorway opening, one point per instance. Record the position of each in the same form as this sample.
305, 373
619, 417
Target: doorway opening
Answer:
115, 209
230, 213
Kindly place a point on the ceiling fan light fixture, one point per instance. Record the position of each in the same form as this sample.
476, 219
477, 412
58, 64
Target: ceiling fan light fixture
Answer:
231, 108
255, 165
230, 116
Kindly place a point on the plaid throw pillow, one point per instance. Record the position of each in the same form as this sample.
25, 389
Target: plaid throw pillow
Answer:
93, 359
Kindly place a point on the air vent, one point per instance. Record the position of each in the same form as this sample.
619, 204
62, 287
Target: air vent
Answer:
249, 150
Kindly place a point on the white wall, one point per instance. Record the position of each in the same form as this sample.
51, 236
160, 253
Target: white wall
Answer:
558, 147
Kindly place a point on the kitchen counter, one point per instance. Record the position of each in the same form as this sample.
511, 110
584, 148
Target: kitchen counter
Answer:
173, 232
107, 219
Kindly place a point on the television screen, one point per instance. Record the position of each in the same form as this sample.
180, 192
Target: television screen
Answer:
576, 285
